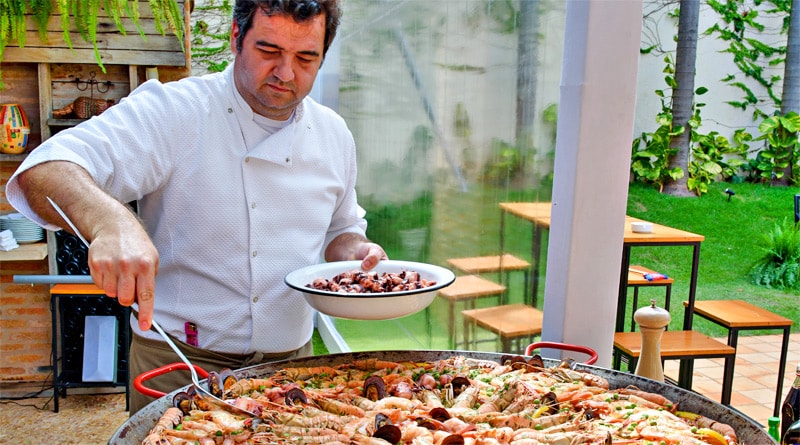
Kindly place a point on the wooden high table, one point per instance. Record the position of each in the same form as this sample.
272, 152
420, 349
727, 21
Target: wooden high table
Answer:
539, 214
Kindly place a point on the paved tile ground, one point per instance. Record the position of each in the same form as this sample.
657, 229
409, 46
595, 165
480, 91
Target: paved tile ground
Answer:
755, 374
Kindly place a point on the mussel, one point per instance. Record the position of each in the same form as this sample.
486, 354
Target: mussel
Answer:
389, 433
381, 420
507, 359
184, 402
536, 361
295, 396
569, 362
458, 384
551, 401
374, 388
385, 430
439, 414
219, 382
453, 439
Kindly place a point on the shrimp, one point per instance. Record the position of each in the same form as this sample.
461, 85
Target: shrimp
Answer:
227, 422
430, 399
467, 398
155, 439
500, 400
657, 399
325, 420
338, 407
521, 420
172, 416
188, 434
414, 432
246, 386
372, 364
304, 373
396, 403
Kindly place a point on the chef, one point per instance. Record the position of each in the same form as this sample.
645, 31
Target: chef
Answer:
239, 178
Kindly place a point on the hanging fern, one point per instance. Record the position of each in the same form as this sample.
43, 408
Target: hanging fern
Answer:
167, 11
12, 25
131, 9
12, 22
64, 10
41, 10
91, 24
82, 16
115, 10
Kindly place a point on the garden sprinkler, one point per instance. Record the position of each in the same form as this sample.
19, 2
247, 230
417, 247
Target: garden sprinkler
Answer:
730, 193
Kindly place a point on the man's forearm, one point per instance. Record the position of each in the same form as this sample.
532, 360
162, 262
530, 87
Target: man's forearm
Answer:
71, 187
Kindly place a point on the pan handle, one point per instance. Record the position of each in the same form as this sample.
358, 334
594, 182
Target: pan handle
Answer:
138, 382
564, 346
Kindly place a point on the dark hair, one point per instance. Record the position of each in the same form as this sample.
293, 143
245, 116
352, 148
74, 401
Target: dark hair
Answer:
299, 10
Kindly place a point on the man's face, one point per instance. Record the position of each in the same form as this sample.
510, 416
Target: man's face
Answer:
278, 62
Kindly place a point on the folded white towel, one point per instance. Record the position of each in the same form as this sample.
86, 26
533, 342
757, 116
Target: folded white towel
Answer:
8, 246
6, 234
5, 242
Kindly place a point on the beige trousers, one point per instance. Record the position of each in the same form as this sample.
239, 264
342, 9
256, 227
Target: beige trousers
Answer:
147, 354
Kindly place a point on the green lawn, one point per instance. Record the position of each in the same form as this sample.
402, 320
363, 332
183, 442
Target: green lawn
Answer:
733, 233
467, 224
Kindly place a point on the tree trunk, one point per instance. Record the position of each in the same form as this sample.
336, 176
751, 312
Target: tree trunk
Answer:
527, 59
683, 94
790, 98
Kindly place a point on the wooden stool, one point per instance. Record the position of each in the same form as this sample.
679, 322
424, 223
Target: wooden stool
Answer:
679, 345
467, 289
738, 315
495, 263
636, 280
512, 322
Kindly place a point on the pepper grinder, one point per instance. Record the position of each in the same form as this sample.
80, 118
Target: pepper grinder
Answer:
652, 323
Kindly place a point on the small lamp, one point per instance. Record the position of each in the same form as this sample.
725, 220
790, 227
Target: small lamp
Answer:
730, 193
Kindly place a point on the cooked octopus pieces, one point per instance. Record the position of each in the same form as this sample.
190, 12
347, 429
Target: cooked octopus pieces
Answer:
377, 402
360, 282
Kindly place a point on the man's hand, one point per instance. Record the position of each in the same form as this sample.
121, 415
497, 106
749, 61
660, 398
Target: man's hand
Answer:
351, 246
370, 254
125, 266
122, 259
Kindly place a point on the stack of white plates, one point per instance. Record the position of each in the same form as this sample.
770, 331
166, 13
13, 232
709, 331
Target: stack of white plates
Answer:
25, 231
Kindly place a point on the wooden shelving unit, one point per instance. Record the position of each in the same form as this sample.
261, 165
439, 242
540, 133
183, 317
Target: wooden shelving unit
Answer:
44, 77
26, 252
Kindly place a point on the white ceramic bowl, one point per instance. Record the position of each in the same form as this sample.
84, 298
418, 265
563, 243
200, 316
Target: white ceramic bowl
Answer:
642, 227
369, 306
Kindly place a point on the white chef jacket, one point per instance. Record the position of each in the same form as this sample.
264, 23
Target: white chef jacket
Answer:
230, 208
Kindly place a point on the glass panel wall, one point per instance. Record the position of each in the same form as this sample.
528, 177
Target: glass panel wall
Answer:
453, 108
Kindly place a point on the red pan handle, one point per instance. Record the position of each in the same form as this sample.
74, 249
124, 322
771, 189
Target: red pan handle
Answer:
138, 382
564, 346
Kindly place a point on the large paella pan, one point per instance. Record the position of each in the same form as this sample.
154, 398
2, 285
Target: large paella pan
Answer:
747, 431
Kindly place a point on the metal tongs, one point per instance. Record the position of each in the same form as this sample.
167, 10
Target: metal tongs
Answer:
201, 392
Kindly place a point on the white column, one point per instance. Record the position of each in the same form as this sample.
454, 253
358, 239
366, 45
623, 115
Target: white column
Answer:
593, 146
